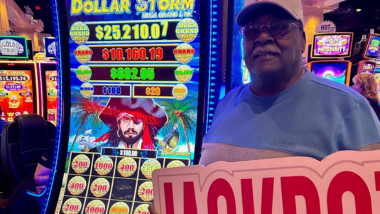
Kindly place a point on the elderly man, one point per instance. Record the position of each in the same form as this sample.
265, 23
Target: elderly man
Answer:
286, 110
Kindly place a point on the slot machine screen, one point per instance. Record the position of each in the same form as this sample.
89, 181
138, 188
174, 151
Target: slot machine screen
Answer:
336, 71
51, 95
134, 100
16, 93
373, 45
367, 67
331, 45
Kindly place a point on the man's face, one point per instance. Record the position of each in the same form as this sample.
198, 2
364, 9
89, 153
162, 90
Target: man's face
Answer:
130, 129
268, 54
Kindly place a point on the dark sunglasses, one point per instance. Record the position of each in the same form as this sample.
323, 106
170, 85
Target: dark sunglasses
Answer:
276, 28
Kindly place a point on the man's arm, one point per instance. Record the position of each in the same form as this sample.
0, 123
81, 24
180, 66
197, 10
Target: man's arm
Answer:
375, 146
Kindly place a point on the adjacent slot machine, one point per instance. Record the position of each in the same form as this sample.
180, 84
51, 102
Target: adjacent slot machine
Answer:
48, 88
19, 86
371, 50
329, 46
366, 66
135, 79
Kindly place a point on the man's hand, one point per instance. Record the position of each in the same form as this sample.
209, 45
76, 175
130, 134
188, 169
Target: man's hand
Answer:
152, 210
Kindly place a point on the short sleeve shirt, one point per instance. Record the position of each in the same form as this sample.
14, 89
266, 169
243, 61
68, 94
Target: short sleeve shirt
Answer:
314, 117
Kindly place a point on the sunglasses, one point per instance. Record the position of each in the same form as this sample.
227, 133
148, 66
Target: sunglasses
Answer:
276, 28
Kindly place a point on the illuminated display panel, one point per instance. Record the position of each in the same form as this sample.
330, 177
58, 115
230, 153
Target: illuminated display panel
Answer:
367, 67
332, 45
13, 47
51, 95
50, 48
339, 71
134, 83
16, 93
373, 45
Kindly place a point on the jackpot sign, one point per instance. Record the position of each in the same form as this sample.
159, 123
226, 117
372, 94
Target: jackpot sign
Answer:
13, 47
344, 182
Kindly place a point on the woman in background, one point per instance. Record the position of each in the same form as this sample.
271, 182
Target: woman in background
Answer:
367, 86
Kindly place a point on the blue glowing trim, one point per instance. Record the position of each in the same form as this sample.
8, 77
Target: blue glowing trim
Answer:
211, 96
37, 195
59, 110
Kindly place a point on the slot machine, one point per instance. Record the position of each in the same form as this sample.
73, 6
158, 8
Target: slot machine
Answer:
19, 85
47, 73
19, 89
48, 78
137, 85
327, 48
366, 66
367, 52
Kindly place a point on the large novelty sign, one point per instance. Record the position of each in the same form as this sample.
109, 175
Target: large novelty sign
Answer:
344, 182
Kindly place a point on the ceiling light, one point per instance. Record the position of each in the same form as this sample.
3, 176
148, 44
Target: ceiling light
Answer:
358, 10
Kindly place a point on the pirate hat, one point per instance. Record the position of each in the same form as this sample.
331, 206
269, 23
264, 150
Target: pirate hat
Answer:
143, 108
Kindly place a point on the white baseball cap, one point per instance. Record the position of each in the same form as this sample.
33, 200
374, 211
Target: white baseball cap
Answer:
293, 7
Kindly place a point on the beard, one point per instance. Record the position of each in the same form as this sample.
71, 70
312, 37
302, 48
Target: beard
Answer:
130, 140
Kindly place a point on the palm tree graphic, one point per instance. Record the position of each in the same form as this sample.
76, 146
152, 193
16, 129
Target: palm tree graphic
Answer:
183, 110
85, 109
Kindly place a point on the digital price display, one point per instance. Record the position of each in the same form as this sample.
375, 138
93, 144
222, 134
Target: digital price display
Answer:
16, 93
134, 100
138, 73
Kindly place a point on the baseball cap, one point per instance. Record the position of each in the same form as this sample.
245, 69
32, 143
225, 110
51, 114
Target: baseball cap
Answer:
293, 7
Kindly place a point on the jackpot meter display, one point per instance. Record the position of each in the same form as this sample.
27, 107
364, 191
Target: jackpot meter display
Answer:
135, 72
16, 93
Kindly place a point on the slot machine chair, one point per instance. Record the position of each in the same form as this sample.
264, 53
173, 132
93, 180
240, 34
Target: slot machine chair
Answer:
22, 145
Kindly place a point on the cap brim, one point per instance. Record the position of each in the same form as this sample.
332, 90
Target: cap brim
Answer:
243, 15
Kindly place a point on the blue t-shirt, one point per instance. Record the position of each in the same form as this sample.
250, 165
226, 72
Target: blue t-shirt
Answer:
314, 117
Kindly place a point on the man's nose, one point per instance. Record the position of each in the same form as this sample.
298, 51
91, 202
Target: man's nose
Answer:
264, 37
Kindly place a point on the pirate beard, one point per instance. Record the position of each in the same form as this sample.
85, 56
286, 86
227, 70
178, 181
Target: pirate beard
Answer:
130, 140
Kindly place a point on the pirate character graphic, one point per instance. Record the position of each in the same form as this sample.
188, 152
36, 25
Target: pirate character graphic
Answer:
133, 123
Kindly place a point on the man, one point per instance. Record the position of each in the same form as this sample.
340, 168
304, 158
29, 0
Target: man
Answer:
133, 123
286, 110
